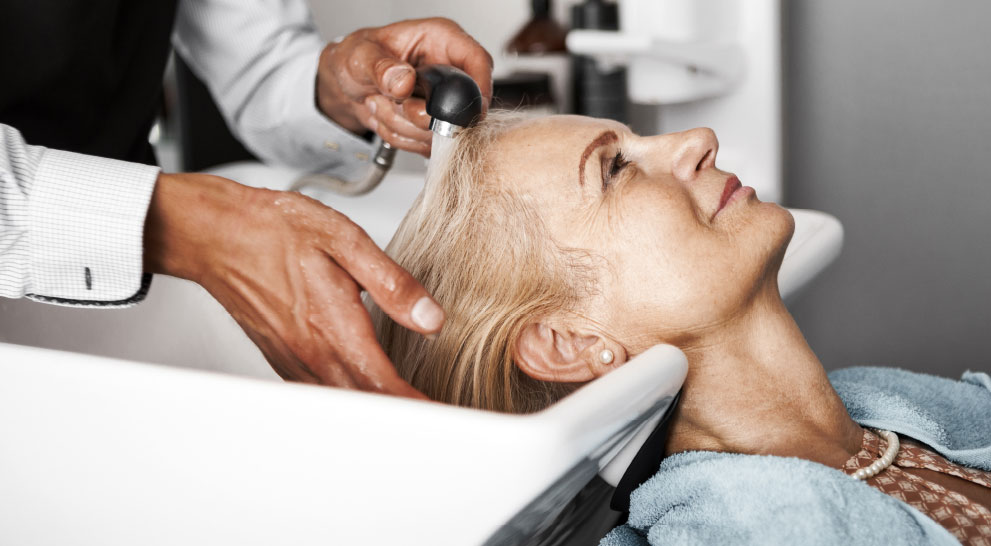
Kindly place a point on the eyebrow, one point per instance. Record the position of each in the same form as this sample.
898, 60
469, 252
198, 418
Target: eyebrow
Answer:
607, 137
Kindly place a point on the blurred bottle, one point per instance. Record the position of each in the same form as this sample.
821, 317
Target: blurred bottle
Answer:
536, 53
540, 35
598, 92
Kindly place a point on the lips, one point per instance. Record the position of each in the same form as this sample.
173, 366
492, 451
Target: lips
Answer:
732, 184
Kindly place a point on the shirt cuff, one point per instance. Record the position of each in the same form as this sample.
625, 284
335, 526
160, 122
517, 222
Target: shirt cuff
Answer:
86, 230
332, 148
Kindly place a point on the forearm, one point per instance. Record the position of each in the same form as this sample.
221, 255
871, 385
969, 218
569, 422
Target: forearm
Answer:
264, 77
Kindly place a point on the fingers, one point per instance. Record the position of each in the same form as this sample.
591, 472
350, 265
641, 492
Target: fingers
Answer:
376, 70
361, 355
471, 57
394, 290
391, 122
353, 357
444, 42
290, 278
370, 70
363, 83
415, 110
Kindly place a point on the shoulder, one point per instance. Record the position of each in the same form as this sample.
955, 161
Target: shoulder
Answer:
707, 498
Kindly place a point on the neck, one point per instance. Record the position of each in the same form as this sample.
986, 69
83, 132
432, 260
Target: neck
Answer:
754, 386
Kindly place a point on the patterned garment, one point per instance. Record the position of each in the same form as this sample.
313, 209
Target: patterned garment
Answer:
967, 520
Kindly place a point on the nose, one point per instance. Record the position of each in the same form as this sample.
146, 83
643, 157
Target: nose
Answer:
695, 151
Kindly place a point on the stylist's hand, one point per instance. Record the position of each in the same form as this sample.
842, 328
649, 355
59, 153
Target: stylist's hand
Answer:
367, 79
290, 271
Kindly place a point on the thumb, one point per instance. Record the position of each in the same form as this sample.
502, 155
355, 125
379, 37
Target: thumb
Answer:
394, 78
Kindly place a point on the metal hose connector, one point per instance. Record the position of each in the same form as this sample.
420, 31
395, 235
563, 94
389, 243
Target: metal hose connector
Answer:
381, 164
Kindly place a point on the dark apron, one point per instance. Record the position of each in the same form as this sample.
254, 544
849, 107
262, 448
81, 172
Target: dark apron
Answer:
84, 75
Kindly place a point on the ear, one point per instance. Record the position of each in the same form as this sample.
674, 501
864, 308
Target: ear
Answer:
549, 352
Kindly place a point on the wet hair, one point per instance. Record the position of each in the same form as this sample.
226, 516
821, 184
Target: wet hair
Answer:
484, 254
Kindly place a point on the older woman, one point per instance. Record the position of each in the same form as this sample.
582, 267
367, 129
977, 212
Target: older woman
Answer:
561, 247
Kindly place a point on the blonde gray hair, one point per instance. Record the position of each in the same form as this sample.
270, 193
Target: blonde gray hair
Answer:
484, 254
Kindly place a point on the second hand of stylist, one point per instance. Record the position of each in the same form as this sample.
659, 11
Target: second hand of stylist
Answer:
367, 79
291, 270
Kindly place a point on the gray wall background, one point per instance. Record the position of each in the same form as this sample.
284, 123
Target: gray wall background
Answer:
888, 127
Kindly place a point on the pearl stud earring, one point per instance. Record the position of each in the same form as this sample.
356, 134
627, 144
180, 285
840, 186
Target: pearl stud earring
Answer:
606, 356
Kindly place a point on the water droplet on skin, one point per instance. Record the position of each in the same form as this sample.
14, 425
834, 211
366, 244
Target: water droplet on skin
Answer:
389, 283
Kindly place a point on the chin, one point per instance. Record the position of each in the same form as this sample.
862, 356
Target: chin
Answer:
778, 227
783, 219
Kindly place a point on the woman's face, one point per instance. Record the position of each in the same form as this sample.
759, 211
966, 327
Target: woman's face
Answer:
679, 245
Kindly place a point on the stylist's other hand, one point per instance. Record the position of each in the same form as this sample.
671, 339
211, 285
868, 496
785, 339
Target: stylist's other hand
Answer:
290, 271
367, 79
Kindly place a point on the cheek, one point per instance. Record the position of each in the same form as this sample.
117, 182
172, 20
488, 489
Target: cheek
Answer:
661, 268
659, 234
670, 273
664, 208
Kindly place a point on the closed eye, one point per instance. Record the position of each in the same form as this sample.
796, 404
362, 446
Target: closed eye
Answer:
611, 168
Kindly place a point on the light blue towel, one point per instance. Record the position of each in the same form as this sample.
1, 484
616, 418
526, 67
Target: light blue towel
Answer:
954, 417
723, 498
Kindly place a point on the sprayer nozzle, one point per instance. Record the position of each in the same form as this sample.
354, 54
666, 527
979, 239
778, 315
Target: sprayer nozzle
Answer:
444, 128
453, 98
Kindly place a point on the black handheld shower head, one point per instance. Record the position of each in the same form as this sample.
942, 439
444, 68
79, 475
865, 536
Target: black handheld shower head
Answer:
454, 101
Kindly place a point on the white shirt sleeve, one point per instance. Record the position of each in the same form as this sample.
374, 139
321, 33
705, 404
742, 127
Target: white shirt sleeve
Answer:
71, 225
259, 60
